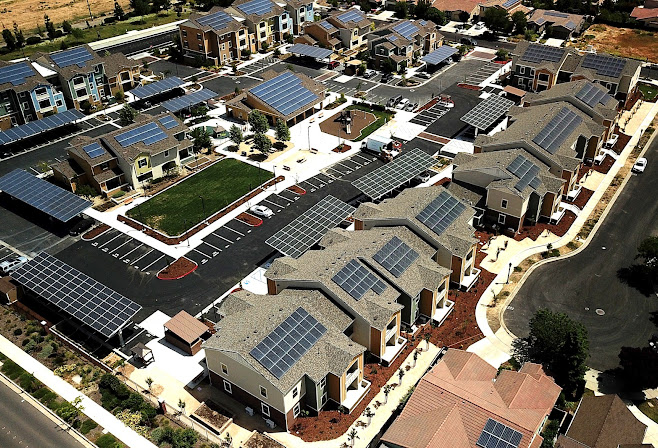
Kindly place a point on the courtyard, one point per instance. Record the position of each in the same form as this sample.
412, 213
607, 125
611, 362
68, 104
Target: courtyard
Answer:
365, 121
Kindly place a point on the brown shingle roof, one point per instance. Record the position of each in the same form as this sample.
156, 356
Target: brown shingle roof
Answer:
186, 327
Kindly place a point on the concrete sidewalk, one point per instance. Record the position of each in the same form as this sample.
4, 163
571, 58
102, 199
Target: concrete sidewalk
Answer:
90, 408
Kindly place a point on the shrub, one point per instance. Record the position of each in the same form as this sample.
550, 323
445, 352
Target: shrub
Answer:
28, 382
87, 426
118, 194
33, 40
18, 332
107, 441
30, 346
45, 396
133, 402
46, 351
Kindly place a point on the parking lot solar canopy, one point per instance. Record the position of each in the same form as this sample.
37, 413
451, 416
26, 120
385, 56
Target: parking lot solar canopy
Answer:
75, 56
439, 55
15, 73
158, 87
32, 128
441, 212
388, 177
487, 112
189, 100
557, 130
308, 228
81, 297
42, 195
284, 93
257, 7
310, 51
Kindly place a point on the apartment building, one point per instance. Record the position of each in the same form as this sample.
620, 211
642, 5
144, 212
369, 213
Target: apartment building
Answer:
353, 27
267, 21
321, 33
301, 12
439, 218
403, 42
285, 353
122, 73
562, 25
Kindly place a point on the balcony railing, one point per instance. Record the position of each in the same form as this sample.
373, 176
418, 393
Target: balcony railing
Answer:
390, 333
350, 377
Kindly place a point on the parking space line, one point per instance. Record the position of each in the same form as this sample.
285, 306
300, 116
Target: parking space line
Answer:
205, 255
233, 230
133, 250
161, 257
147, 253
225, 239
121, 245
284, 198
275, 204
214, 247
107, 242
312, 185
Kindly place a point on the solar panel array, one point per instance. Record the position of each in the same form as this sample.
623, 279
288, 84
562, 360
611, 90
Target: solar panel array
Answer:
590, 94
439, 55
326, 25
557, 130
309, 227
570, 25
396, 256
352, 15
78, 295
526, 172
388, 177
148, 134
189, 100
487, 112
604, 65
158, 87
510, 3
407, 29
356, 280
497, 435
75, 56
15, 73
540, 21
168, 122
35, 127
284, 93
42, 195
441, 212
288, 342
556, 14
257, 7
392, 38
539, 53
310, 51
216, 21
94, 150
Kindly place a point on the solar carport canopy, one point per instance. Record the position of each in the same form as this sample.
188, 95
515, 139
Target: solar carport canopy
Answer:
439, 55
388, 177
189, 100
42, 195
310, 51
32, 128
89, 302
487, 112
158, 87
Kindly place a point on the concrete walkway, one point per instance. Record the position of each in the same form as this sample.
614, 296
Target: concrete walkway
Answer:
90, 408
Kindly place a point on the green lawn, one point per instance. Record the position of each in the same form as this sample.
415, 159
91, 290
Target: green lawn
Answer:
650, 409
179, 208
649, 92
382, 118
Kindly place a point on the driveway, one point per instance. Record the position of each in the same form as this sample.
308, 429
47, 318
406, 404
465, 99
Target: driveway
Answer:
587, 282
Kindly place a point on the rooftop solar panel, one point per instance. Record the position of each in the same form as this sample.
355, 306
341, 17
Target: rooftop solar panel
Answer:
540, 21
308, 229
497, 435
158, 87
75, 56
392, 38
487, 112
439, 55
356, 280
407, 29
76, 294
526, 172
288, 342
189, 100
284, 93
326, 25
510, 3
257, 7
441, 212
604, 65
310, 51
216, 21
42, 195
94, 150
33, 128
168, 122
556, 14
16, 73
570, 25
557, 130
388, 177
352, 15
148, 134
538, 53
396, 256
590, 94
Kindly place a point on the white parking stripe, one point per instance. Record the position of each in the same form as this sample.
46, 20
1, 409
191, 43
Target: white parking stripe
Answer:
161, 257
214, 247
274, 204
133, 250
233, 230
284, 198
225, 239
120, 245
107, 242
205, 255
143, 256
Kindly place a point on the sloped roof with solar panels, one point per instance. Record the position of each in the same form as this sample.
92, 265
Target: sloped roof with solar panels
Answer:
19, 76
572, 22
433, 213
217, 19
591, 98
285, 337
70, 62
285, 94
257, 10
351, 18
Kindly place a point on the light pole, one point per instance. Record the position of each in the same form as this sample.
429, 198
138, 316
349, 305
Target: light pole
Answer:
274, 173
308, 135
203, 206
509, 272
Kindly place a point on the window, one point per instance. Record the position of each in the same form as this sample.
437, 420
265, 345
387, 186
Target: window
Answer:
40, 91
26, 106
521, 70
322, 383
22, 94
501, 219
223, 46
323, 400
44, 104
230, 44
503, 203
184, 33
243, 43
97, 69
142, 163
186, 44
241, 32
78, 80
295, 392
198, 36
263, 391
227, 387
543, 76
265, 409
296, 410
166, 153
59, 103
200, 47
224, 369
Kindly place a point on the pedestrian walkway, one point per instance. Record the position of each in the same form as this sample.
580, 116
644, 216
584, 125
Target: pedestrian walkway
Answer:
89, 407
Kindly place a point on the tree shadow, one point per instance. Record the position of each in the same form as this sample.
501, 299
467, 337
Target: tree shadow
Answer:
258, 157
637, 276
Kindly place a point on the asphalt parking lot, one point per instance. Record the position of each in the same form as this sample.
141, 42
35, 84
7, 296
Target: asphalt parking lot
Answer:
589, 289
450, 124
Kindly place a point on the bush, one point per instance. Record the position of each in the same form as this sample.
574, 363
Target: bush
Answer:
33, 40
118, 194
28, 382
30, 346
45, 396
18, 332
134, 402
107, 20
87, 426
46, 351
107, 441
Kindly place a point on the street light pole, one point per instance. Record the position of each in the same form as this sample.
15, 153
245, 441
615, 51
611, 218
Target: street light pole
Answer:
509, 272
308, 134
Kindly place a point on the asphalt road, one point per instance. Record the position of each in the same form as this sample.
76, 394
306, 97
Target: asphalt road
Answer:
587, 282
23, 426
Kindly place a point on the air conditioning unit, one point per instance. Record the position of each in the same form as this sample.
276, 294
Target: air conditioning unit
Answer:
249, 411
270, 424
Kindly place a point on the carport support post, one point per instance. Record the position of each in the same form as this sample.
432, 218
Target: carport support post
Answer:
121, 337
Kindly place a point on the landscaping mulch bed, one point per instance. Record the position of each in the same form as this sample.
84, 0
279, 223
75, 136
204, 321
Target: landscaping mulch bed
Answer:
428, 105
602, 168
214, 414
250, 220
201, 162
342, 148
258, 440
622, 141
360, 120
445, 180
178, 269
582, 198
296, 189
559, 229
96, 231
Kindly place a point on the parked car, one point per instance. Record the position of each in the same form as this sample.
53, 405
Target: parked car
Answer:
9, 265
469, 41
393, 101
81, 226
410, 107
402, 104
423, 75
262, 211
369, 74
640, 165
423, 177
612, 141
386, 77
332, 65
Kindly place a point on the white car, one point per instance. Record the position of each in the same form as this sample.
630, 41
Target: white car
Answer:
612, 141
402, 103
262, 211
640, 165
9, 265
423, 177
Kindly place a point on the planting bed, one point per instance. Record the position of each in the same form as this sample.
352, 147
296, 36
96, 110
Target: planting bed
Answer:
214, 414
96, 231
258, 440
178, 269
250, 220
297, 189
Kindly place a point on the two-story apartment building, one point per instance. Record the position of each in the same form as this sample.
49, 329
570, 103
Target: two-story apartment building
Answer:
353, 27
403, 42
323, 33
267, 21
439, 218
122, 74
301, 12
285, 353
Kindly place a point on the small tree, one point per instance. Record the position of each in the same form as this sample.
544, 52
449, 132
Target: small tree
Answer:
648, 251
201, 138
149, 383
9, 39
497, 20
262, 143
118, 11
282, 131
415, 357
368, 414
181, 405
400, 375
18, 34
258, 122
427, 336
85, 106
228, 439
50, 27
67, 27
352, 436
387, 390
501, 54
127, 114
119, 96
235, 135
520, 22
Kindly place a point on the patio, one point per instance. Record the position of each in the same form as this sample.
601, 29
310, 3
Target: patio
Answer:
442, 313
392, 351
354, 396
469, 280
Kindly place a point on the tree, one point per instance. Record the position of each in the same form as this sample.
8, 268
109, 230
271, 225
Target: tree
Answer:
639, 367
258, 122
421, 9
520, 22
201, 138
559, 344
400, 375
181, 405
464, 16
352, 436
427, 336
50, 27
9, 39
185, 438
141, 7
235, 135
367, 413
262, 143
435, 15
648, 251
415, 357
497, 20
127, 114
501, 54
161, 5
149, 383
67, 27
118, 11
119, 96
69, 412
387, 390
18, 34
282, 131
401, 9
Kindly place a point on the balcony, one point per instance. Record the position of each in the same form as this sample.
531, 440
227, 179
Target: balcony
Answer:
441, 313
354, 396
469, 280
390, 333
392, 351
351, 376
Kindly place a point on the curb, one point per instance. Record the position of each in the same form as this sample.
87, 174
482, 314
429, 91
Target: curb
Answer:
245, 222
181, 276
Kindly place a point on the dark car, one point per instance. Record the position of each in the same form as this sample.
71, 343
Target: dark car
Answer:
469, 41
393, 101
81, 226
386, 77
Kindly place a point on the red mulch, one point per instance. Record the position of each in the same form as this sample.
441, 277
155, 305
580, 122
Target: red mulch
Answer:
296, 189
250, 220
622, 141
178, 269
604, 167
582, 198
428, 105
342, 148
445, 180
93, 233
469, 86
558, 229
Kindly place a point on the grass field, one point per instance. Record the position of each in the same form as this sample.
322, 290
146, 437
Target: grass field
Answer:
650, 92
650, 409
382, 118
180, 207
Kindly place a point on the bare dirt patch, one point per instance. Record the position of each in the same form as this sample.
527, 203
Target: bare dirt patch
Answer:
638, 44
214, 414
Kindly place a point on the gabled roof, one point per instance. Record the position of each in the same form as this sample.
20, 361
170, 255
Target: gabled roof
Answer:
19, 76
643, 13
350, 18
572, 22
605, 107
456, 5
217, 20
54, 61
186, 327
